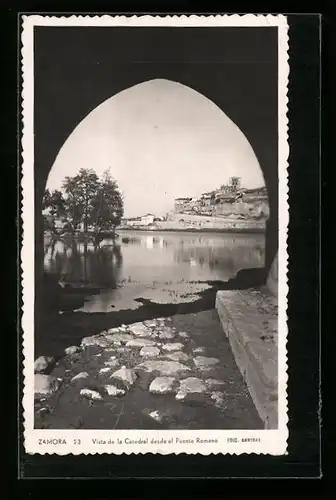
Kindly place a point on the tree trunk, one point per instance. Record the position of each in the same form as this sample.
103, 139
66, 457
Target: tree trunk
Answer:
86, 218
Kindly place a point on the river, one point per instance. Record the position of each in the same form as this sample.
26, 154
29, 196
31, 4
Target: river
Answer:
164, 267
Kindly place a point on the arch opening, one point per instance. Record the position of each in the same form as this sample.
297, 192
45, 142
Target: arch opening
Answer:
183, 167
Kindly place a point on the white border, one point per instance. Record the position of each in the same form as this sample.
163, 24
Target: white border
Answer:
273, 442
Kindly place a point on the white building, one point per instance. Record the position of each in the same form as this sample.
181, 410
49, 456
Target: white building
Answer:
147, 219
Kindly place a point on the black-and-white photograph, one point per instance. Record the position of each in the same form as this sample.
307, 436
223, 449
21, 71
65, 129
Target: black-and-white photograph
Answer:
156, 174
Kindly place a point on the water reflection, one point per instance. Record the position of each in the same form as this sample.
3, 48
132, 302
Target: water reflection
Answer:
82, 263
230, 257
146, 258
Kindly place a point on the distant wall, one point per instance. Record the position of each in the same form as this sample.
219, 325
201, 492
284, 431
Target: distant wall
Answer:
248, 208
185, 221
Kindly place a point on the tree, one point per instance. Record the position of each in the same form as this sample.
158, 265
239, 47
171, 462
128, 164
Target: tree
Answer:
107, 206
79, 193
86, 199
54, 204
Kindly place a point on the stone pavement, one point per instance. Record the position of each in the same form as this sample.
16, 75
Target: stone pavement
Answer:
250, 320
168, 373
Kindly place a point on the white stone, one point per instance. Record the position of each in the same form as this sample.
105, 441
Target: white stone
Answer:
113, 330
126, 375
149, 352
183, 335
181, 395
174, 346
119, 338
122, 349
166, 333
90, 394
80, 376
112, 363
43, 411
73, 349
42, 363
204, 363
164, 367
178, 356
140, 330
46, 384
155, 415
150, 324
112, 390
162, 385
95, 340
105, 370
140, 343
192, 385
218, 397
212, 382
199, 350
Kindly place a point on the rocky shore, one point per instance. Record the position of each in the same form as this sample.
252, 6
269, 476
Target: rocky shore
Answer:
175, 372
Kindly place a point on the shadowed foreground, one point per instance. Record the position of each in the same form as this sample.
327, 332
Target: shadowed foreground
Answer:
218, 398
55, 332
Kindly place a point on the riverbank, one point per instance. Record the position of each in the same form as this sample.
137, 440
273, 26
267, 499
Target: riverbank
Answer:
165, 373
200, 223
57, 330
248, 229
243, 230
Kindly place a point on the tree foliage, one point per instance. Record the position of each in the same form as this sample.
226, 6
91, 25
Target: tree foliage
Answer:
107, 206
86, 200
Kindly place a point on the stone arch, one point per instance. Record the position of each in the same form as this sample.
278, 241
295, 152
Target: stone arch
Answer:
158, 98
261, 276
68, 86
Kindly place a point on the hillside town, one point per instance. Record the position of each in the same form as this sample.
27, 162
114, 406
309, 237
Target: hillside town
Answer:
227, 207
229, 201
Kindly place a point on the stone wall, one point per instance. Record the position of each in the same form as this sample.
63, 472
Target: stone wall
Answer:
251, 208
272, 280
249, 320
187, 222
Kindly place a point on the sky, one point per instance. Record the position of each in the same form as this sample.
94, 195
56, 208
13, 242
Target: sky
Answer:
161, 140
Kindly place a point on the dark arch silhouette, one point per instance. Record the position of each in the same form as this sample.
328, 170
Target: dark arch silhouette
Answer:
76, 69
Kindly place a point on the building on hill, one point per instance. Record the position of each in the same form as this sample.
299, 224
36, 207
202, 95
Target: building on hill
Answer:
246, 203
228, 200
208, 199
144, 220
147, 219
132, 221
257, 192
235, 183
182, 204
